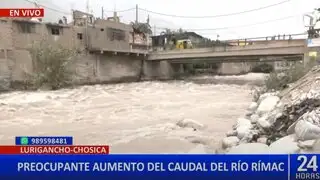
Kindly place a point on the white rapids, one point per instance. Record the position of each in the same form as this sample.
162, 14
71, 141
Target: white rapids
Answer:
131, 118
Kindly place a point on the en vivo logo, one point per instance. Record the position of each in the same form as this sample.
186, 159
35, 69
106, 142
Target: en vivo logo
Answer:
22, 12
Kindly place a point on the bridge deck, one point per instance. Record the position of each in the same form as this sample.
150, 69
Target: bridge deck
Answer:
272, 48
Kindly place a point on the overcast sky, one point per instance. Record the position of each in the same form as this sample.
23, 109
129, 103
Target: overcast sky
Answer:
295, 8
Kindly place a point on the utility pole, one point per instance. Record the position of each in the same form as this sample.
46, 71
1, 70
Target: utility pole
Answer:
137, 13
102, 13
86, 23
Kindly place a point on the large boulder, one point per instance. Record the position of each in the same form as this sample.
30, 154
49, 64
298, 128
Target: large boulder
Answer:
305, 130
264, 96
263, 123
306, 144
253, 106
231, 133
285, 145
250, 136
314, 149
291, 128
242, 131
268, 104
249, 148
231, 141
263, 140
254, 118
242, 122
242, 127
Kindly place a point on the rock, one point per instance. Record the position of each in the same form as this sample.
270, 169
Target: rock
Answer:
190, 124
242, 131
248, 114
264, 96
253, 106
249, 148
251, 136
291, 128
254, 118
242, 122
262, 140
263, 123
199, 149
316, 147
268, 104
230, 142
306, 144
312, 117
306, 131
285, 145
279, 105
231, 133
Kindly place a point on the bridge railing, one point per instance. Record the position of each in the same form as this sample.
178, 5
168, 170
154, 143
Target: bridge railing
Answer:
248, 42
228, 48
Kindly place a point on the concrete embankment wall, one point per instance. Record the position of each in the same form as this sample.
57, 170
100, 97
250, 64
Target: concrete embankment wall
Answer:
166, 70
88, 68
107, 68
235, 68
104, 68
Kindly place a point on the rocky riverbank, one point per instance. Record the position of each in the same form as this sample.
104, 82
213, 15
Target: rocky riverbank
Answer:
280, 122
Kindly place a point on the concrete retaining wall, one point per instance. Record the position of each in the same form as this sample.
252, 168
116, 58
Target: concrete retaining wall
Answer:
161, 70
235, 68
88, 68
104, 68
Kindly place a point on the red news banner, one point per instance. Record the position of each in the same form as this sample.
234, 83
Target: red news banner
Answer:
22, 12
54, 149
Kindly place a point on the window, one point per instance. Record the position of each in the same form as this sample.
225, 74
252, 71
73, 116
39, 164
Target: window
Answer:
25, 27
116, 34
79, 35
55, 31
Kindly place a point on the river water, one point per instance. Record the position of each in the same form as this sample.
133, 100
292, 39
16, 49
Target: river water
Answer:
131, 118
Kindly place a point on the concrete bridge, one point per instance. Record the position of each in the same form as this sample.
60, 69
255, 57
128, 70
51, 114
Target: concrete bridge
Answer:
293, 49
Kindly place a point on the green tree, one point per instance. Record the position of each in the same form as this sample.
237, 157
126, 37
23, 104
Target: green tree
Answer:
51, 66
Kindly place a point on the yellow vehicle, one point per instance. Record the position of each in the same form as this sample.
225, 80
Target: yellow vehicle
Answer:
184, 44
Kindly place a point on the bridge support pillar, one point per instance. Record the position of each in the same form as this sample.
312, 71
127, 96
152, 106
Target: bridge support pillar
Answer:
306, 59
230, 68
157, 70
181, 69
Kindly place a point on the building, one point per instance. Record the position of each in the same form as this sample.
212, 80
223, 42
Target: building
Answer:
95, 40
140, 37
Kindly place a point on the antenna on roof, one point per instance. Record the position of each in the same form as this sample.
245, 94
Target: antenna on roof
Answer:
87, 7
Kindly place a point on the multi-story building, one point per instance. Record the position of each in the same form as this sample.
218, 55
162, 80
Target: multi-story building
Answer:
86, 34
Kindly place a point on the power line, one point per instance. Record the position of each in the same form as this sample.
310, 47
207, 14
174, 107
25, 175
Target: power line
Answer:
241, 26
125, 10
67, 13
56, 10
263, 37
216, 16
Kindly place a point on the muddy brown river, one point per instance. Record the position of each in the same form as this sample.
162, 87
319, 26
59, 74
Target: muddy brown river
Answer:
132, 117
